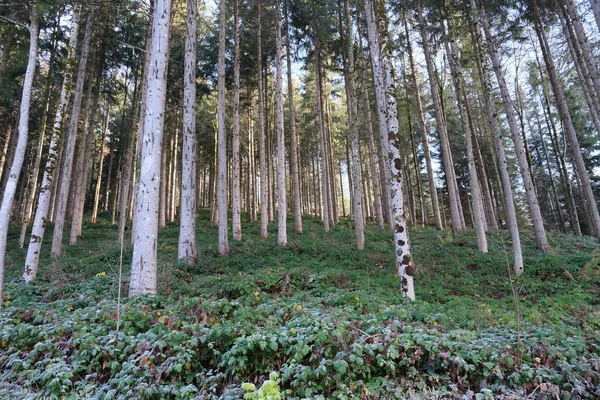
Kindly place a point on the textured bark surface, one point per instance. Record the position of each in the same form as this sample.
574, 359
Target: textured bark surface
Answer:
509, 110
50, 169
70, 141
264, 212
143, 263
222, 138
281, 186
186, 250
323, 147
17, 164
404, 262
236, 194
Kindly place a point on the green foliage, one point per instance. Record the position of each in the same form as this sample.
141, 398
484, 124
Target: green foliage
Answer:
338, 329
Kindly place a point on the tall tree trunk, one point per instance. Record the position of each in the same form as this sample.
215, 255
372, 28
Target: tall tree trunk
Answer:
66, 171
323, 148
404, 261
186, 250
348, 59
423, 128
143, 263
45, 196
596, 10
264, 212
496, 133
295, 174
236, 222
222, 138
509, 110
453, 195
281, 187
17, 164
588, 195
461, 99
379, 84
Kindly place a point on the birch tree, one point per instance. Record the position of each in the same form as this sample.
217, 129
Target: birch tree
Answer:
186, 250
264, 213
236, 195
17, 164
143, 263
281, 185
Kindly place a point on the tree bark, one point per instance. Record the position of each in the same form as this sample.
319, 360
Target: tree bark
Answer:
102, 145
71, 138
323, 148
281, 186
17, 164
143, 264
186, 250
52, 163
264, 212
509, 110
222, 138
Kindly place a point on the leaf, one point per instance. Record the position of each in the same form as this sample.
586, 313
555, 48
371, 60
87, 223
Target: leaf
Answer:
340, 366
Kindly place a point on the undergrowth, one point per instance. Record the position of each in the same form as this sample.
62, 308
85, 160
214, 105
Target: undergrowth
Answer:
329, 320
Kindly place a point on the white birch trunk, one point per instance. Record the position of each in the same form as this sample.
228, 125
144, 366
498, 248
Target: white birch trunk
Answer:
323, 149
186, 249
45, 196
404, 261
509, 109
222, 138
70, 141
17, 164
143, 263
279, 130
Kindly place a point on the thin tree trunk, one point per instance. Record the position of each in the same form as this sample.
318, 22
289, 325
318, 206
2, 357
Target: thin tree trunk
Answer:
17, 164
222, 138
143, 263
596, 10
588, 195
496, 133
66, 172
281, 187
323, 147
236, 223
94, 218
45, 196
264, 212
295, 174
357, 203
534, 207
455, 206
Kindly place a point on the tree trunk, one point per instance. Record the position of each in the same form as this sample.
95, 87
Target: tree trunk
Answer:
281, 187
496, 133
45, 196
424, 139
264, 212
323, 148
404, 261
222, 138
596, 10
236, 223
186, 250
17, 164
453, 195
295, 174
509, 109
102, 145
588, 195
143, 263
71, 138
348, 59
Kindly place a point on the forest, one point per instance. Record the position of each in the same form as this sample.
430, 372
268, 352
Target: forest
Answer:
291, 199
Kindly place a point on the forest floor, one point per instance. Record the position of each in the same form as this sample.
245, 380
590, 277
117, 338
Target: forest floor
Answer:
327, 318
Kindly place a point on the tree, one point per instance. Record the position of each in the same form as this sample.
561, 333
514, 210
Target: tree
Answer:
15, 169
143, 264
187, 232
281, 185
